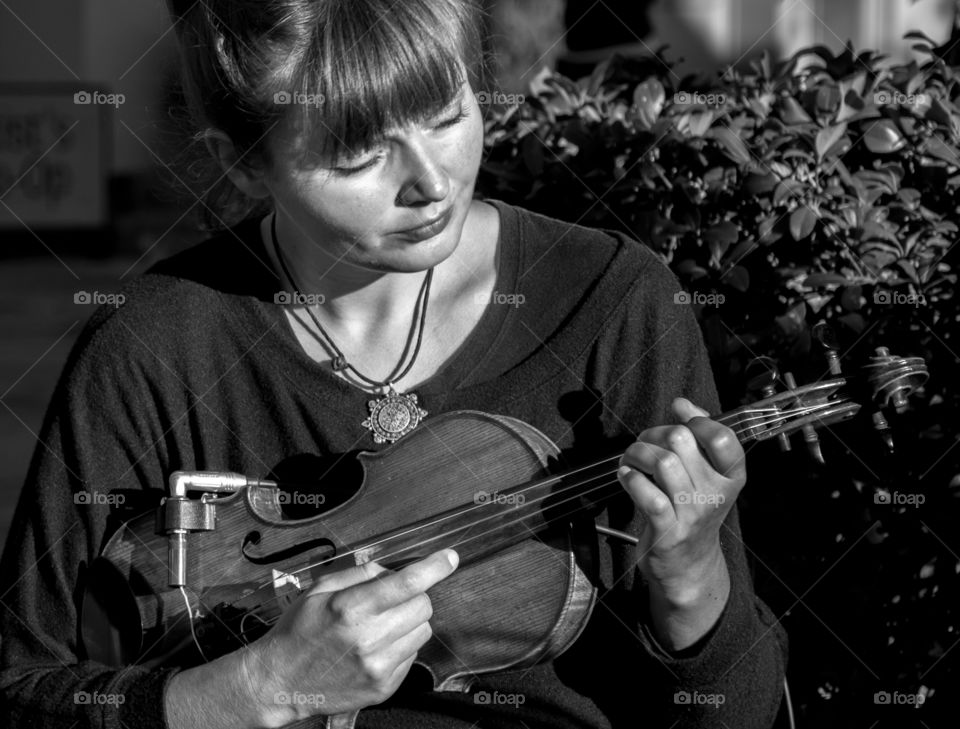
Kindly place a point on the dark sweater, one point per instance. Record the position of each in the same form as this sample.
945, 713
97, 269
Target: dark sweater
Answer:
199, 370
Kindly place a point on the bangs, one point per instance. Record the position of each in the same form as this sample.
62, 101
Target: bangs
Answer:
376, 65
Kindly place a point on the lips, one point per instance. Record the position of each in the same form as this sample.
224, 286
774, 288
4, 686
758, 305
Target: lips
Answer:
428, 229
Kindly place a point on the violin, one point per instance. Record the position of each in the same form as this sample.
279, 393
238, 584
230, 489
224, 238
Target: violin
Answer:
235, 563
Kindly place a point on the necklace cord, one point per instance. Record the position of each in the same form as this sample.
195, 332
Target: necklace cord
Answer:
340, 361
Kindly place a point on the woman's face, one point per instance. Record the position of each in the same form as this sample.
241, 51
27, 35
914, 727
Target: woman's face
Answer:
368, 210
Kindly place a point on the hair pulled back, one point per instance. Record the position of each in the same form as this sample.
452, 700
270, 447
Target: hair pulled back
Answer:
344, 71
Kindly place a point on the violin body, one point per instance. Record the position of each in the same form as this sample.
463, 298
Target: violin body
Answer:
509, 608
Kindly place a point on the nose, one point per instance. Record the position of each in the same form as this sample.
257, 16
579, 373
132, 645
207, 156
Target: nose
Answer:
424, 179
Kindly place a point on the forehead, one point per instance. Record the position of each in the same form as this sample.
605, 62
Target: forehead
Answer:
321, 135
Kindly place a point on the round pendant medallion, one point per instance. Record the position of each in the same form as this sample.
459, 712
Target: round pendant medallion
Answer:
393, 416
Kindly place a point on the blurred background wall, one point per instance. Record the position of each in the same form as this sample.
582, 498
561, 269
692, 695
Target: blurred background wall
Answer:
81, 201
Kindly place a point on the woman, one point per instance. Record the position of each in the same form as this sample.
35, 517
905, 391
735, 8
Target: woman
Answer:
365, 274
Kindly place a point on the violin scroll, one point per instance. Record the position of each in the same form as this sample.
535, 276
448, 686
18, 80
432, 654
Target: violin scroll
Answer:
887, 380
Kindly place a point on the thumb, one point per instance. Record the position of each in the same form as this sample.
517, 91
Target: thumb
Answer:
685, 410
347, 578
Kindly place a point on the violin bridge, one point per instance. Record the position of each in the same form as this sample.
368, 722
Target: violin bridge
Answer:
284, 578
362, 556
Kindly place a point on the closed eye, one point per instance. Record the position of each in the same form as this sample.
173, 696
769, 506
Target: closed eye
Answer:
352, 170
454, 120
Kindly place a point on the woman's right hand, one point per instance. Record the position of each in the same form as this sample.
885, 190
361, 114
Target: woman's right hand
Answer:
347, 643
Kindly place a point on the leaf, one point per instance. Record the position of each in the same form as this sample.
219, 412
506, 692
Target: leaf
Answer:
690, 268
936, 147
908, 268
851, 106
767, 230
738, 277
878, 260
852, 298
827, 99
802, 222
786, 189
872, 179
759, 184
792, 113
731, 144
826, 138
939, 113
910, 196
742, 249
700, 122
883, 137
648, 100
815, 280
792, 322
720, 237
854, 321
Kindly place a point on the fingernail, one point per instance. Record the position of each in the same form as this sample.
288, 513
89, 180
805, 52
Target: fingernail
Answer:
453, 558
624, 471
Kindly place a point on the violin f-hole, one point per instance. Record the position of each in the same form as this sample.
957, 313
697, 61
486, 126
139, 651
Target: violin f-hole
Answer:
253, 538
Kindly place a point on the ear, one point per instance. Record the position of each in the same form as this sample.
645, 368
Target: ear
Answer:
245, 177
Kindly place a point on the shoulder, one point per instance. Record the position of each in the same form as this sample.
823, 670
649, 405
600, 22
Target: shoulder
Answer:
565, 252
176, 301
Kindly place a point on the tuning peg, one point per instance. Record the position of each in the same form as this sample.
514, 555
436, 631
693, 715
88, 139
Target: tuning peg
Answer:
882, 427
767, 377
824, 334
809, 432
764, 383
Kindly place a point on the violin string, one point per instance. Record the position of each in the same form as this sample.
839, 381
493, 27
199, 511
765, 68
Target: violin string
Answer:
471, 538
574, 487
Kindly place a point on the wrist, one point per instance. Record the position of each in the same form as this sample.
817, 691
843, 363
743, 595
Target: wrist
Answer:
691, 588
685, 611
214, 695
256, 684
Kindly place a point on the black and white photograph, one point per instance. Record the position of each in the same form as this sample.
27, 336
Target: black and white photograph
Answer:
479, 364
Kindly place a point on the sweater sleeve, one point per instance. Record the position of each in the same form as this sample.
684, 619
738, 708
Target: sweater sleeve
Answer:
96, 437
734, 675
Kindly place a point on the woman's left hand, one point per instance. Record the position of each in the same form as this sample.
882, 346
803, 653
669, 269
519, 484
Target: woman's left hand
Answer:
684, 478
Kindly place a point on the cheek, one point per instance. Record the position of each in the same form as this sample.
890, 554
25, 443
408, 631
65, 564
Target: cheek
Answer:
334, 210
470, 148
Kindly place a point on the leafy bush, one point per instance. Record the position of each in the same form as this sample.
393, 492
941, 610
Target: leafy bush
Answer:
822, 188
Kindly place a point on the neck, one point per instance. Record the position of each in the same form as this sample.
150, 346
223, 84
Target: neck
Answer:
353, 297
